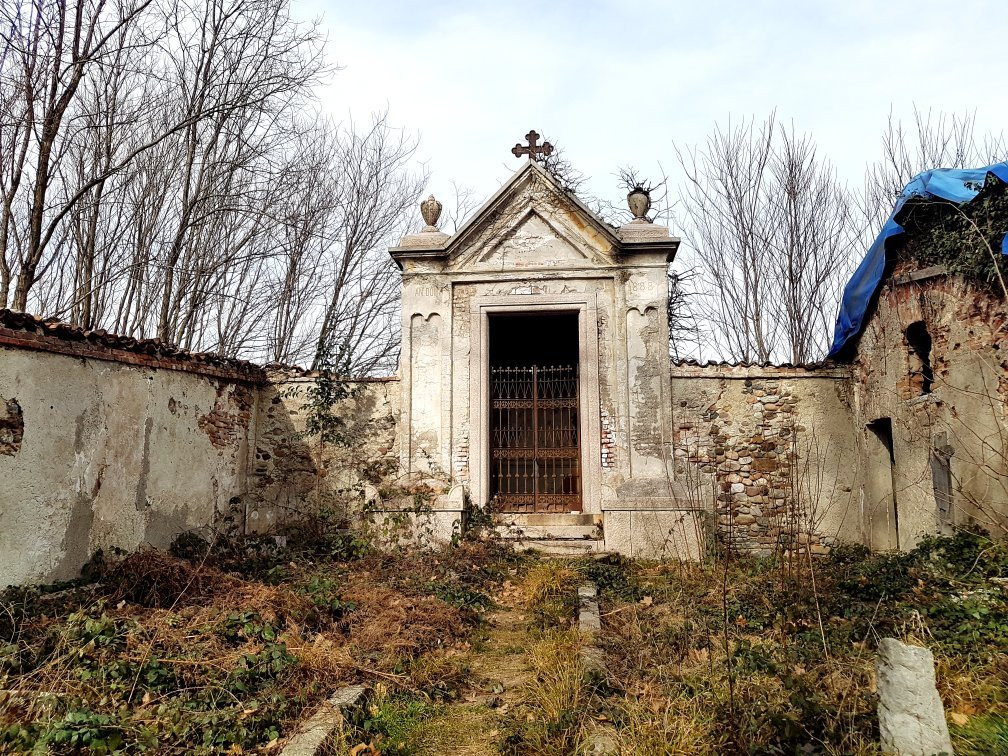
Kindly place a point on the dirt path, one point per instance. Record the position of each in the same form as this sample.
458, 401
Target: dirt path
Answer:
473, 725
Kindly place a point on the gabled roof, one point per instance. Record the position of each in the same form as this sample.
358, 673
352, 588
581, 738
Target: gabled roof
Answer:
521, 177
443, 246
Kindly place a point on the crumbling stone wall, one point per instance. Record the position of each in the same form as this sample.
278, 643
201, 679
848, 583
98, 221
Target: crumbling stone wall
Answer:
946, 464
770, 450
11, 426
296, 476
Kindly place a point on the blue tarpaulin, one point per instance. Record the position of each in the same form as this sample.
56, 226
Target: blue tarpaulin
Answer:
958, 186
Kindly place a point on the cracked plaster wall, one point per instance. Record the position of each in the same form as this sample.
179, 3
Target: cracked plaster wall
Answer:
111, 455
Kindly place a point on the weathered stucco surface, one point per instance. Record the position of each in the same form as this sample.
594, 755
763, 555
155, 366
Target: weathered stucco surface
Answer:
105, 453
959, 426
110, 455
770, 450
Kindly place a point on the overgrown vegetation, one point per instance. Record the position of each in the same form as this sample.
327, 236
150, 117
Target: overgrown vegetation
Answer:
966, 239
229, 651
792, 669
472, 649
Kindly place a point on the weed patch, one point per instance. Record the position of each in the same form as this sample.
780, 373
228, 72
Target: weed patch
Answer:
185, 652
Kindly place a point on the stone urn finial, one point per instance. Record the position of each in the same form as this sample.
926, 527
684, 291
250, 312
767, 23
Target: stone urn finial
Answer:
639, 200
430, 209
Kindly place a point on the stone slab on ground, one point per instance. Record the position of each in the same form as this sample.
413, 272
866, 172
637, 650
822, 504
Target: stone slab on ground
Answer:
910, 711
311, 736
573, 547
590, 624
589, 620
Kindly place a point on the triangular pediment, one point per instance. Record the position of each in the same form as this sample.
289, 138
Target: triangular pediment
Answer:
531, 223
533, 242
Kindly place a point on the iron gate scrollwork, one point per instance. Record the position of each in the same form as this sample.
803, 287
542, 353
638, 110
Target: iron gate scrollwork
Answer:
535, 440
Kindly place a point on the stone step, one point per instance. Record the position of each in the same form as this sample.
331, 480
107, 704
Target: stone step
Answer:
549, 526
575, 518
560, 546
539, 532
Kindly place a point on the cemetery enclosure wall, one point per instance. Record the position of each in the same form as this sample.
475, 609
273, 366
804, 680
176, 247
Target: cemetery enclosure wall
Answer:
104, 446
770, 450
111, 443
107, 442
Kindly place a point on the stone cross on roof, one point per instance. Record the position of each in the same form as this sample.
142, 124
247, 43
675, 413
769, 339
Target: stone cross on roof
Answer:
534, 150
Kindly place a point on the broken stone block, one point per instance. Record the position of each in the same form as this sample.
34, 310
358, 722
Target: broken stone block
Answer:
910, 711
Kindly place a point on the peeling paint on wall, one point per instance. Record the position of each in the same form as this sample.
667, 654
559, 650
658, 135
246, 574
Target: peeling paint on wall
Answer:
229, 419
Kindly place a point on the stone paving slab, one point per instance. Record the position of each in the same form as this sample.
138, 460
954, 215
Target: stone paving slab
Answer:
330, 715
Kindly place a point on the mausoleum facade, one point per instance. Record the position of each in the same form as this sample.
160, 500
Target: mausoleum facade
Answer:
535, 370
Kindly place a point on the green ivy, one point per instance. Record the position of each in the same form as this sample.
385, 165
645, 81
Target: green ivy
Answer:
966, 239
332, 363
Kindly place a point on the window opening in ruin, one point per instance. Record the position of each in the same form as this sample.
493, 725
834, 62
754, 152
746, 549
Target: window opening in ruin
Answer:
941, 478
884, 470
919, 339
535, 439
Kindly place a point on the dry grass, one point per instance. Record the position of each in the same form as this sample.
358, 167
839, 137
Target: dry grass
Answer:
547, 581
166, 653
154, 579
663, 727
556, 685
392, 626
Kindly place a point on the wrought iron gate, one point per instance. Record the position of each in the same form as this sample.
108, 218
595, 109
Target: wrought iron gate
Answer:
535, 441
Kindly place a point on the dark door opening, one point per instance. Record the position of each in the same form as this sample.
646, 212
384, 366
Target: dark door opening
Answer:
535, 438
882, 464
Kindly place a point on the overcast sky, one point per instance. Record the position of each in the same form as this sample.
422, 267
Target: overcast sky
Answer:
623, 83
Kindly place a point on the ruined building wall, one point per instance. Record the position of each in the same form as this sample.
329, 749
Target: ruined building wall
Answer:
769, 449
103, 444
944, 462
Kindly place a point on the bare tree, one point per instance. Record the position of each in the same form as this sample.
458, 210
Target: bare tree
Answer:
107, 84
162, 174
465, 203
770, 228
813, 246
725, 201
375, 204
933, 140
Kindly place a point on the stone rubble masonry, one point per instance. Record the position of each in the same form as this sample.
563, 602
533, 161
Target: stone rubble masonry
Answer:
230, 417
115, 442
293, 476
108, 442
771, 446
11, 426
